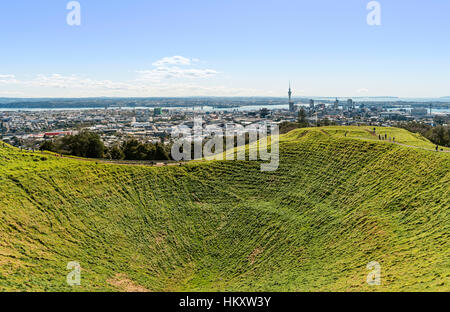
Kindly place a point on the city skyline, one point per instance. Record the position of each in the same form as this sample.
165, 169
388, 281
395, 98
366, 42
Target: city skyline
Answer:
204, 48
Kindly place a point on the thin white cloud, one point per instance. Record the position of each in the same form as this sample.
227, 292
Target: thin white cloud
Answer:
169, 68
8, 79
10, 93
74, 81
174, 60
161, 73
74, 85
362, 90
171, 76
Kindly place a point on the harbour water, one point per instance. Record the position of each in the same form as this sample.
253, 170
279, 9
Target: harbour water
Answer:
206, 108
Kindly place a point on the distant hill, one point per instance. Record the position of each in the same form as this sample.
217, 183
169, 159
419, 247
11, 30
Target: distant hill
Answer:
340, 199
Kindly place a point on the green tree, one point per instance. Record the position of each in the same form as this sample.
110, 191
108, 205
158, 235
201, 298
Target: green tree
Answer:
132, 150
115, 152
85, 144
160, 152
440, 135
47, 145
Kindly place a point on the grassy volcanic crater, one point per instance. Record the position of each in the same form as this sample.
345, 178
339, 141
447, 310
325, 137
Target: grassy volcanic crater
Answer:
339, 200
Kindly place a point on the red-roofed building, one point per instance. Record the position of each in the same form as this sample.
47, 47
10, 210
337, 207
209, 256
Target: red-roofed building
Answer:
61, 133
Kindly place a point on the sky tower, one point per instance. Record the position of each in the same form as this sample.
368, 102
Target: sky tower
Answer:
291, 103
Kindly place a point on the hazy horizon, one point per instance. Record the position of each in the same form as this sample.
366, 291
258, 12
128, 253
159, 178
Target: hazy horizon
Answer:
231, 97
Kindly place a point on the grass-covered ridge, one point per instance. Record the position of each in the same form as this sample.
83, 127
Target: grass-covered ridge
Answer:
335, 204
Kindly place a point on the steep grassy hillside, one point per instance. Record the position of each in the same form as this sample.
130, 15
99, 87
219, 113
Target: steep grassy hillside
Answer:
400, 136
335, 204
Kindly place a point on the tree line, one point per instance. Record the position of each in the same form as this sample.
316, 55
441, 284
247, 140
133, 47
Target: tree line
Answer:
89, 145
439, 135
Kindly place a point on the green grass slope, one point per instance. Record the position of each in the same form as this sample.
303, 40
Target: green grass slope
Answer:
335, 204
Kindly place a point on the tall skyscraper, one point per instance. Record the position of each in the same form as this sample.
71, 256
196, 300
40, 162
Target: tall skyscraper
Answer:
336, 104
157, 111
311, 104
350, 104
291, 103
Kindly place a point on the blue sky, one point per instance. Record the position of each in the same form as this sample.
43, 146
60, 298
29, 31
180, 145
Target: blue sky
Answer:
224, 48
